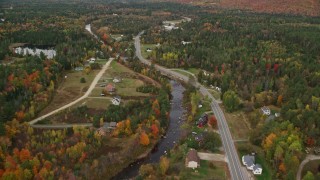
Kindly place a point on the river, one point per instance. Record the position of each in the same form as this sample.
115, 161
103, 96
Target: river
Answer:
172, 136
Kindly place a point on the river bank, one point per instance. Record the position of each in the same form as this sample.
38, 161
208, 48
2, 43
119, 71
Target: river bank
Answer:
164, 145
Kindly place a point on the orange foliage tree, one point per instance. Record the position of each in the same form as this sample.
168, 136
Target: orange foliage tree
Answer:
24, 155
144, 139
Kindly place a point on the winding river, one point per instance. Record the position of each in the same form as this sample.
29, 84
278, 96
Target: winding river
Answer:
172, 136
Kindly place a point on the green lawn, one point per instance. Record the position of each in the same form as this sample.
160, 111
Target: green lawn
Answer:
182, 72
215, 93
144, 47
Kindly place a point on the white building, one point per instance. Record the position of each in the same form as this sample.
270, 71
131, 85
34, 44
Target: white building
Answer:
257, 169
116, 100
266, 110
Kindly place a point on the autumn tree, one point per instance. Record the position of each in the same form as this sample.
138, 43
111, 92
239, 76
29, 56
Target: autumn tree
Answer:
154, 130
231, 101
213, 121
164, 165
24, 155
144, 139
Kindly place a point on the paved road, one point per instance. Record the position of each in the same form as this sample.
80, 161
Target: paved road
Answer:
236, 169
92, 86
304, 162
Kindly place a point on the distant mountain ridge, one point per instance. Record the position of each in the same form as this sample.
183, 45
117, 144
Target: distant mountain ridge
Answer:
301, 7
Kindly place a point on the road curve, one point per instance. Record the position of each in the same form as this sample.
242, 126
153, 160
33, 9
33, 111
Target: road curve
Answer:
93, 84
236, 170
304, 162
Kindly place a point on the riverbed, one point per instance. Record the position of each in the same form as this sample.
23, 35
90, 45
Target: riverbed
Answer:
170, 139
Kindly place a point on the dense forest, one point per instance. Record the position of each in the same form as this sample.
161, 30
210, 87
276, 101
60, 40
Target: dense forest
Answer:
265, 59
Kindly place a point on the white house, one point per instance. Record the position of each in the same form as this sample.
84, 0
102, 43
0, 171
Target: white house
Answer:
185, 42
265, 110
257, 169
92, 60
192, 159
116, 80
149, 50
248, 161
116, 100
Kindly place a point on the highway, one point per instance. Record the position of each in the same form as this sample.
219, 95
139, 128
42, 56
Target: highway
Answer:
237, 171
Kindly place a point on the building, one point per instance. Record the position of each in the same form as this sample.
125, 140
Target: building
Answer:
149, 50
117, 80
185, 42
116, 100
192, 159
249, 162
265, 110
112, 125
110, 88
92, 60
257, 169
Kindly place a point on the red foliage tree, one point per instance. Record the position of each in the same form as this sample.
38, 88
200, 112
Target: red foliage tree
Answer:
24, 155
310, 141
155, 130
213, 121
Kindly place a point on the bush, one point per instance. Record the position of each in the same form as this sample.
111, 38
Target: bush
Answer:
82, 80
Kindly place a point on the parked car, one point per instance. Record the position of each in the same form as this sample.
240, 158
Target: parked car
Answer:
102, 94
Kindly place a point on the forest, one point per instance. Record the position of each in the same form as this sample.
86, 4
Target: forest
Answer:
257, 60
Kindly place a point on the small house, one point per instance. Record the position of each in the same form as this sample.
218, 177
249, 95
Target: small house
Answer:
185, 42
116, 100
149, 50
101, 131
257, 169
92, 60
113, 125
117, 79
265, 110
192, 159
110, 88
248, 161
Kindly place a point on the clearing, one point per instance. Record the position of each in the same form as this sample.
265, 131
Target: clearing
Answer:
70, 89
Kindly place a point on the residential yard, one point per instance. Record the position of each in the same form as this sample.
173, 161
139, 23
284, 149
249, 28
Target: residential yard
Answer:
69, 89
247, 148
238, 124
207, 169
126, 88
312, 166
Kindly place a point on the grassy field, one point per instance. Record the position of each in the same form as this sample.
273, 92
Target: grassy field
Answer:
70, 89
144, 48
311, 166
238, 124
182, 72
214, 170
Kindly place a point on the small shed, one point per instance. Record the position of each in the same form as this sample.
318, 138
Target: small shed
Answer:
110, 88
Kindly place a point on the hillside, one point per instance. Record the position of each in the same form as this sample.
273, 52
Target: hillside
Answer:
302, 7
